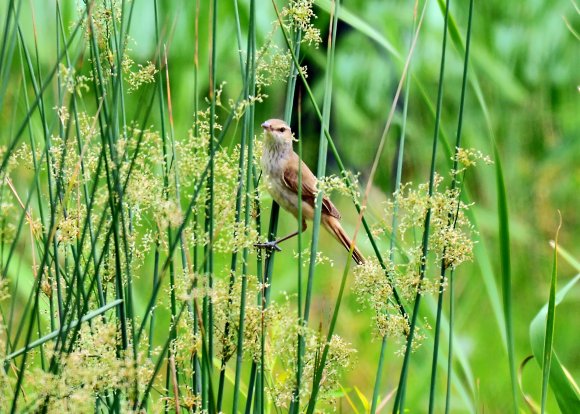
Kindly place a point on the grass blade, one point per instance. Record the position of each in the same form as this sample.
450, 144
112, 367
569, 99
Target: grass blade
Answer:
562, 383
505, 254
549, 335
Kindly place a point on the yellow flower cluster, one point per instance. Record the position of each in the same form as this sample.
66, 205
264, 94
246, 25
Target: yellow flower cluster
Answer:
450, 243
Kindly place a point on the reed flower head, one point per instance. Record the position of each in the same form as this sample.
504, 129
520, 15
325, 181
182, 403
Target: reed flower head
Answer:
450, 244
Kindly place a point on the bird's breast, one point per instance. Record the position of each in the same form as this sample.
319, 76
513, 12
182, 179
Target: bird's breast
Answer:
273, 166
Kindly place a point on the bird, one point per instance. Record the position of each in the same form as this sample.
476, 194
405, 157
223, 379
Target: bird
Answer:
280, 167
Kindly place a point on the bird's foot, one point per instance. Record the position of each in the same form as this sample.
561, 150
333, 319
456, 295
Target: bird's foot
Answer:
269, 245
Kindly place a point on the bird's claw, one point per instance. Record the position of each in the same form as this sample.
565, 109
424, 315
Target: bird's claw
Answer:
269, 245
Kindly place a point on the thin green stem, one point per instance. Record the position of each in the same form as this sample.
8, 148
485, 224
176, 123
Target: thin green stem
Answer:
209, 206
394, 222
399, 405
452, 220
249, 131
450, 340
320, 172
241, 188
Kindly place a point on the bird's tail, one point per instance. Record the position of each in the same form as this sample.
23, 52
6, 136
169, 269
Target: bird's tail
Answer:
333, 226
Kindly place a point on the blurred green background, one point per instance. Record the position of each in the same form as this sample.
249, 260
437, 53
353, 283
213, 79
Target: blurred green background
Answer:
525, 58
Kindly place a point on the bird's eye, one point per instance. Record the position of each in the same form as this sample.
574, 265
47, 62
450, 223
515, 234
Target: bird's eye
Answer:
282, 129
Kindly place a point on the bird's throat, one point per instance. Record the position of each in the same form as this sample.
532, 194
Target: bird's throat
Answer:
274, 156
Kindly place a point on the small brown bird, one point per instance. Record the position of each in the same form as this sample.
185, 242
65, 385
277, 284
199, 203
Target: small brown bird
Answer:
280, 168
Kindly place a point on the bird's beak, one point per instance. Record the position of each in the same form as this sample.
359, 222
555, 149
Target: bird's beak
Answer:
266, 126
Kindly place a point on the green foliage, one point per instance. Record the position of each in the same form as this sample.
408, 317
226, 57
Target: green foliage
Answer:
131, 199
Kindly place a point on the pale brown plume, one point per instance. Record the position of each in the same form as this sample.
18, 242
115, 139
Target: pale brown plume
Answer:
333, 226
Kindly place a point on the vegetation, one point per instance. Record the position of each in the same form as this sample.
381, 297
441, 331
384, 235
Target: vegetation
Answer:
132, 197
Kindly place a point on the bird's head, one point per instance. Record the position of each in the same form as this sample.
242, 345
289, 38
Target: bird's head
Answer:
277, 132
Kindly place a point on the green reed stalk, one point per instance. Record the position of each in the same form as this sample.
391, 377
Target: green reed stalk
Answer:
206, 378
13, 246
240, 331
38, 280
28, 338
253, 179
186, 218
207, 367
152, 317
80, 148
166, 196
238, 208
503, 316
321, 363
450, 340
50, 163
394, 223
185, 265
451, 222
35, 186
400, 397
255, 393
239, 40
248, 129
209, 205
197, 374
320, 172
7, 50
5, 268
62, 196
322, 360
57, 194
97, 265
269, 262
300, 339
249, 175
105, 121
118, 105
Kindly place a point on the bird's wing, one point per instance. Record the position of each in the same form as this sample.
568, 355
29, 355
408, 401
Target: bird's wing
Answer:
309, 191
